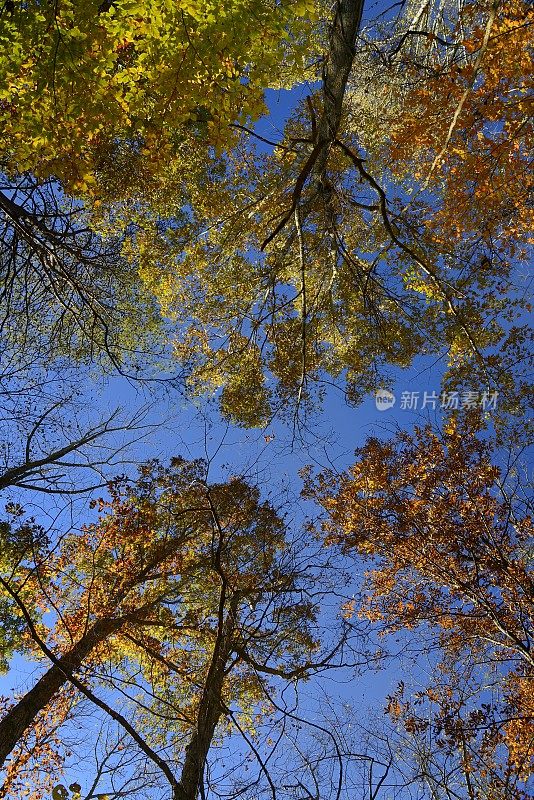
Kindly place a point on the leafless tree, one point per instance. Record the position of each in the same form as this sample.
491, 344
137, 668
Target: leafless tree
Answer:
51, 439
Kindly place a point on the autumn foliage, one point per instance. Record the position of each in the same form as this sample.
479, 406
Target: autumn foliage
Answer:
163, 231
471, 122
448, 551
181, 586
92, 82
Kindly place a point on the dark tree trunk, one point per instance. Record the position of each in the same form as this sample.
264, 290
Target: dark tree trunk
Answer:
19, 718
210, 711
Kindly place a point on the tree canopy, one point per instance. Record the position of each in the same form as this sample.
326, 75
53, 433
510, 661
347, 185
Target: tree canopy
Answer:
450, 550
193, 594
200, 628
85, 79
372, 234
389, 221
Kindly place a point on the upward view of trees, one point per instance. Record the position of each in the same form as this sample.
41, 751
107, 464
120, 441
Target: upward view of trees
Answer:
176, 629
450, 553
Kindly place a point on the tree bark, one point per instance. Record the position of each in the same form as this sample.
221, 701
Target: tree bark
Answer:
338, 65
210, 711
19, 718
336, 71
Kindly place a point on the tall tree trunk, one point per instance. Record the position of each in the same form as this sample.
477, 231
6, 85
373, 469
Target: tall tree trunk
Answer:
210, 710
337, 68
19, 718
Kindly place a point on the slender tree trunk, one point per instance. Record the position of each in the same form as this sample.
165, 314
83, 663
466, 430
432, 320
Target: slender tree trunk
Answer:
19, 718
210, 711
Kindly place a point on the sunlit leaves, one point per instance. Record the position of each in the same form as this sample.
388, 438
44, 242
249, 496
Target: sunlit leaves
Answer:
448, 549
185, 590
472, 128
78, 77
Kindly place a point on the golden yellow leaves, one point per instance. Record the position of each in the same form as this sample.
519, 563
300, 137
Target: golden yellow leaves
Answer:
244, 399
108, 75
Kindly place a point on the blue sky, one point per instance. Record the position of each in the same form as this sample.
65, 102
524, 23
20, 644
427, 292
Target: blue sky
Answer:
272, 456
